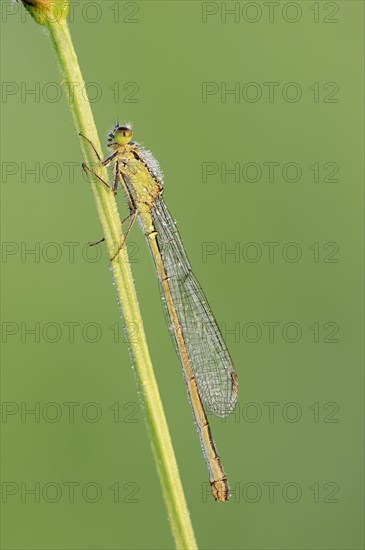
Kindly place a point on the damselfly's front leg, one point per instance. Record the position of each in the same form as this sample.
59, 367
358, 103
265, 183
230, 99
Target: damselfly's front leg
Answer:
104, 162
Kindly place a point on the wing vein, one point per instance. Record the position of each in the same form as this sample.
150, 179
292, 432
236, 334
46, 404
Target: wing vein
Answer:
209, 356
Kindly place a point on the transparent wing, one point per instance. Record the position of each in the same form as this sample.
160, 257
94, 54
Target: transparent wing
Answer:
211, 362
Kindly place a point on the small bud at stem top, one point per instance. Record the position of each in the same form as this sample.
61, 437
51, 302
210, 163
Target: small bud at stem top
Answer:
45, 11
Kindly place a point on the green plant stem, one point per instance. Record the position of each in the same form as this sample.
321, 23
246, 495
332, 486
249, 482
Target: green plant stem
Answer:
164, 455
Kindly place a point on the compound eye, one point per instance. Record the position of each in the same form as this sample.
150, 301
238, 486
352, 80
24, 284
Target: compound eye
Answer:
123, 135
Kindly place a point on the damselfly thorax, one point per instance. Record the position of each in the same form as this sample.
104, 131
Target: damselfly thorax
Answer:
142, 185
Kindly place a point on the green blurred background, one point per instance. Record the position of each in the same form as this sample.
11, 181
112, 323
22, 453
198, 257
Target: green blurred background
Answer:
293, 450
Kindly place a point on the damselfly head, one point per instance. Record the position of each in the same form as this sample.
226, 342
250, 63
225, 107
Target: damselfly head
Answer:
121, 135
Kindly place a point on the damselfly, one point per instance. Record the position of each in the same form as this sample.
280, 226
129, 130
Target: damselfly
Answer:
207, 365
